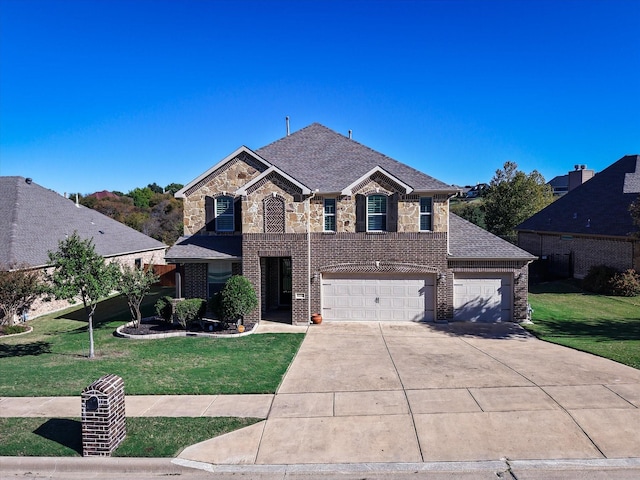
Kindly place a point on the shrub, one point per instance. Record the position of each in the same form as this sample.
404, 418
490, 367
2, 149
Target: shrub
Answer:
190, 310
626, 284
164, 308
599, 278
237, 299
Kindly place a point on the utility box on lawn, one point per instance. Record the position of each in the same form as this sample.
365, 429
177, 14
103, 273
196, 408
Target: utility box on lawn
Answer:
103, 416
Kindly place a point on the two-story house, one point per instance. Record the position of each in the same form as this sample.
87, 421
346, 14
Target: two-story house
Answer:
320, 223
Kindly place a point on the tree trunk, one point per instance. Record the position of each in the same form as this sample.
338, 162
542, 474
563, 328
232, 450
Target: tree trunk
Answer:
90, 312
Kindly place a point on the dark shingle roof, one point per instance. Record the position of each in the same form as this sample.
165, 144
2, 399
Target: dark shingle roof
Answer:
203, 247
34, 219
325, 160
467, 240
597, 207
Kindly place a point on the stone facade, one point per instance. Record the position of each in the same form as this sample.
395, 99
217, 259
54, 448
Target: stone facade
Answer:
580, 252
225, 180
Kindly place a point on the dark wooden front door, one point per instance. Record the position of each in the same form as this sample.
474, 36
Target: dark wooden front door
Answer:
285, 281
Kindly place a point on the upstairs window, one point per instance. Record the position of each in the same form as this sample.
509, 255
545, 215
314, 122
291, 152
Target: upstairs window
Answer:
426, 218
329, 214
225, 217
376, 213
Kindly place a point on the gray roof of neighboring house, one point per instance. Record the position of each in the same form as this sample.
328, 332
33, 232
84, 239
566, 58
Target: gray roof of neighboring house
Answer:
205, 247
597, 207
559, 181
34, 219
467, 240
321, 158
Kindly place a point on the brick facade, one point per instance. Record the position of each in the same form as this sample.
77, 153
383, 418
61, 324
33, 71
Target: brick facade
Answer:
582, 252
103, 416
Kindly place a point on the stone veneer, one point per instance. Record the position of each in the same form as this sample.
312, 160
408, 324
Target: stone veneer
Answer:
225, 180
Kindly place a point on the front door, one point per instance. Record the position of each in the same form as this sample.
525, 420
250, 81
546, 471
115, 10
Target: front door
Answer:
285, 281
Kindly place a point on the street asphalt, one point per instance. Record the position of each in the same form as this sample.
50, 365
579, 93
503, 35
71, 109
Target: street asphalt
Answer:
402, 400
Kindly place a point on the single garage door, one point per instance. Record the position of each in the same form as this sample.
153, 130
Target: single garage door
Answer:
385, 298
478, 298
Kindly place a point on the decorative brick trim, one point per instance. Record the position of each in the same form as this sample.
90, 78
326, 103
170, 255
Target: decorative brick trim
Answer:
379, 267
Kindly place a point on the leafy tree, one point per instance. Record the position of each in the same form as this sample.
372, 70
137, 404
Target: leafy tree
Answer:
141, 196
471, 210
512, 197
172, 188
155, 188
237, 299
78, 271
135, 284
19, 288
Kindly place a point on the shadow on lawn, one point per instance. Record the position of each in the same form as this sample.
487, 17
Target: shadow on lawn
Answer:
25, 349
596, 329
64, 431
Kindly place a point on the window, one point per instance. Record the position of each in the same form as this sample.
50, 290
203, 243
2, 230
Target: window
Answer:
224, 214
376, 213
329, 214
217, 275
426, 207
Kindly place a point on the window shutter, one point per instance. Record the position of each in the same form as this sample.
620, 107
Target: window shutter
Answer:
361, 213
392, 213
209, 214
237, 210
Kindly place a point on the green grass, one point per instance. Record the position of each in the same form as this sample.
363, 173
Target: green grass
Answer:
146, 437
52, 360
602, 325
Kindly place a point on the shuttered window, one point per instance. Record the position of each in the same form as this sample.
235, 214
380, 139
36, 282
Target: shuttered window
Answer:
225, 217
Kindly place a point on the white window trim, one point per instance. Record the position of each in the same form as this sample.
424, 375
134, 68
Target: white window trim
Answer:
385, 214
325, 215
429, 214
232, 214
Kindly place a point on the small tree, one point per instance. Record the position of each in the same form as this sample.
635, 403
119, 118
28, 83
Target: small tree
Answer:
78, 271
237, 299
135, 284
19, 288
512, 197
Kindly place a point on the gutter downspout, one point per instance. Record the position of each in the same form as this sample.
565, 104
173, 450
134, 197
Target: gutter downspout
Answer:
309, 254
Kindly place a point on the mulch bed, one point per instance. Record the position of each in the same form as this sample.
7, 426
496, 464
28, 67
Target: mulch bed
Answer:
152, 326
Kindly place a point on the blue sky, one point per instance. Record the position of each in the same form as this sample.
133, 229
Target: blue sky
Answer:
109, 94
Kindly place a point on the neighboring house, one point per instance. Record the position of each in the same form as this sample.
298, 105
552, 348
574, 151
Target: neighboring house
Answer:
321, 223
590, 225
103, 194
34, 219
562, 184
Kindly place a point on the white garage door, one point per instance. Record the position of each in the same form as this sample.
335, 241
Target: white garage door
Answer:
481, 299
385, 298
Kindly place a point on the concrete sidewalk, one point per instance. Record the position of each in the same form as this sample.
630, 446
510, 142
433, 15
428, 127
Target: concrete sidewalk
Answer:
414, 394
373, 392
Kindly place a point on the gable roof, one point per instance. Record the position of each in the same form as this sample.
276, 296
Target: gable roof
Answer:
34, 219
468, 241
325, 160
205, 247
597, 207
272, 169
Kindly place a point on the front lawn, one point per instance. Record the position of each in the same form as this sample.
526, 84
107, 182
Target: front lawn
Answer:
146, 437
52, 360
602, 325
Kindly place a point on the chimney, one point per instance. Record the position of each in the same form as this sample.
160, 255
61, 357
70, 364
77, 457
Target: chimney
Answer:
350, 134
580, 175
287, 120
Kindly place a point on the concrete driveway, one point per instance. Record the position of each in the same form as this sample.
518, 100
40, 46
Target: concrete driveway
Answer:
374, 392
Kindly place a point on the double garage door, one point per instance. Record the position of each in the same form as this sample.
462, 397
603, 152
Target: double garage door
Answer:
477, 298
385, 298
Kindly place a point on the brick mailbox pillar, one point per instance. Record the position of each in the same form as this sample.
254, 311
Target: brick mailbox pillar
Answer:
103, 416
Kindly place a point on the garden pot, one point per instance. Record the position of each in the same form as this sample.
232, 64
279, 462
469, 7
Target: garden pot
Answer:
316, 318
240, 328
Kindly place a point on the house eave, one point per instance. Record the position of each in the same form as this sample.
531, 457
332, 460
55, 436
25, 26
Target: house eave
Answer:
630, 237
200, 259
273, 169
182, 192
348, 190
